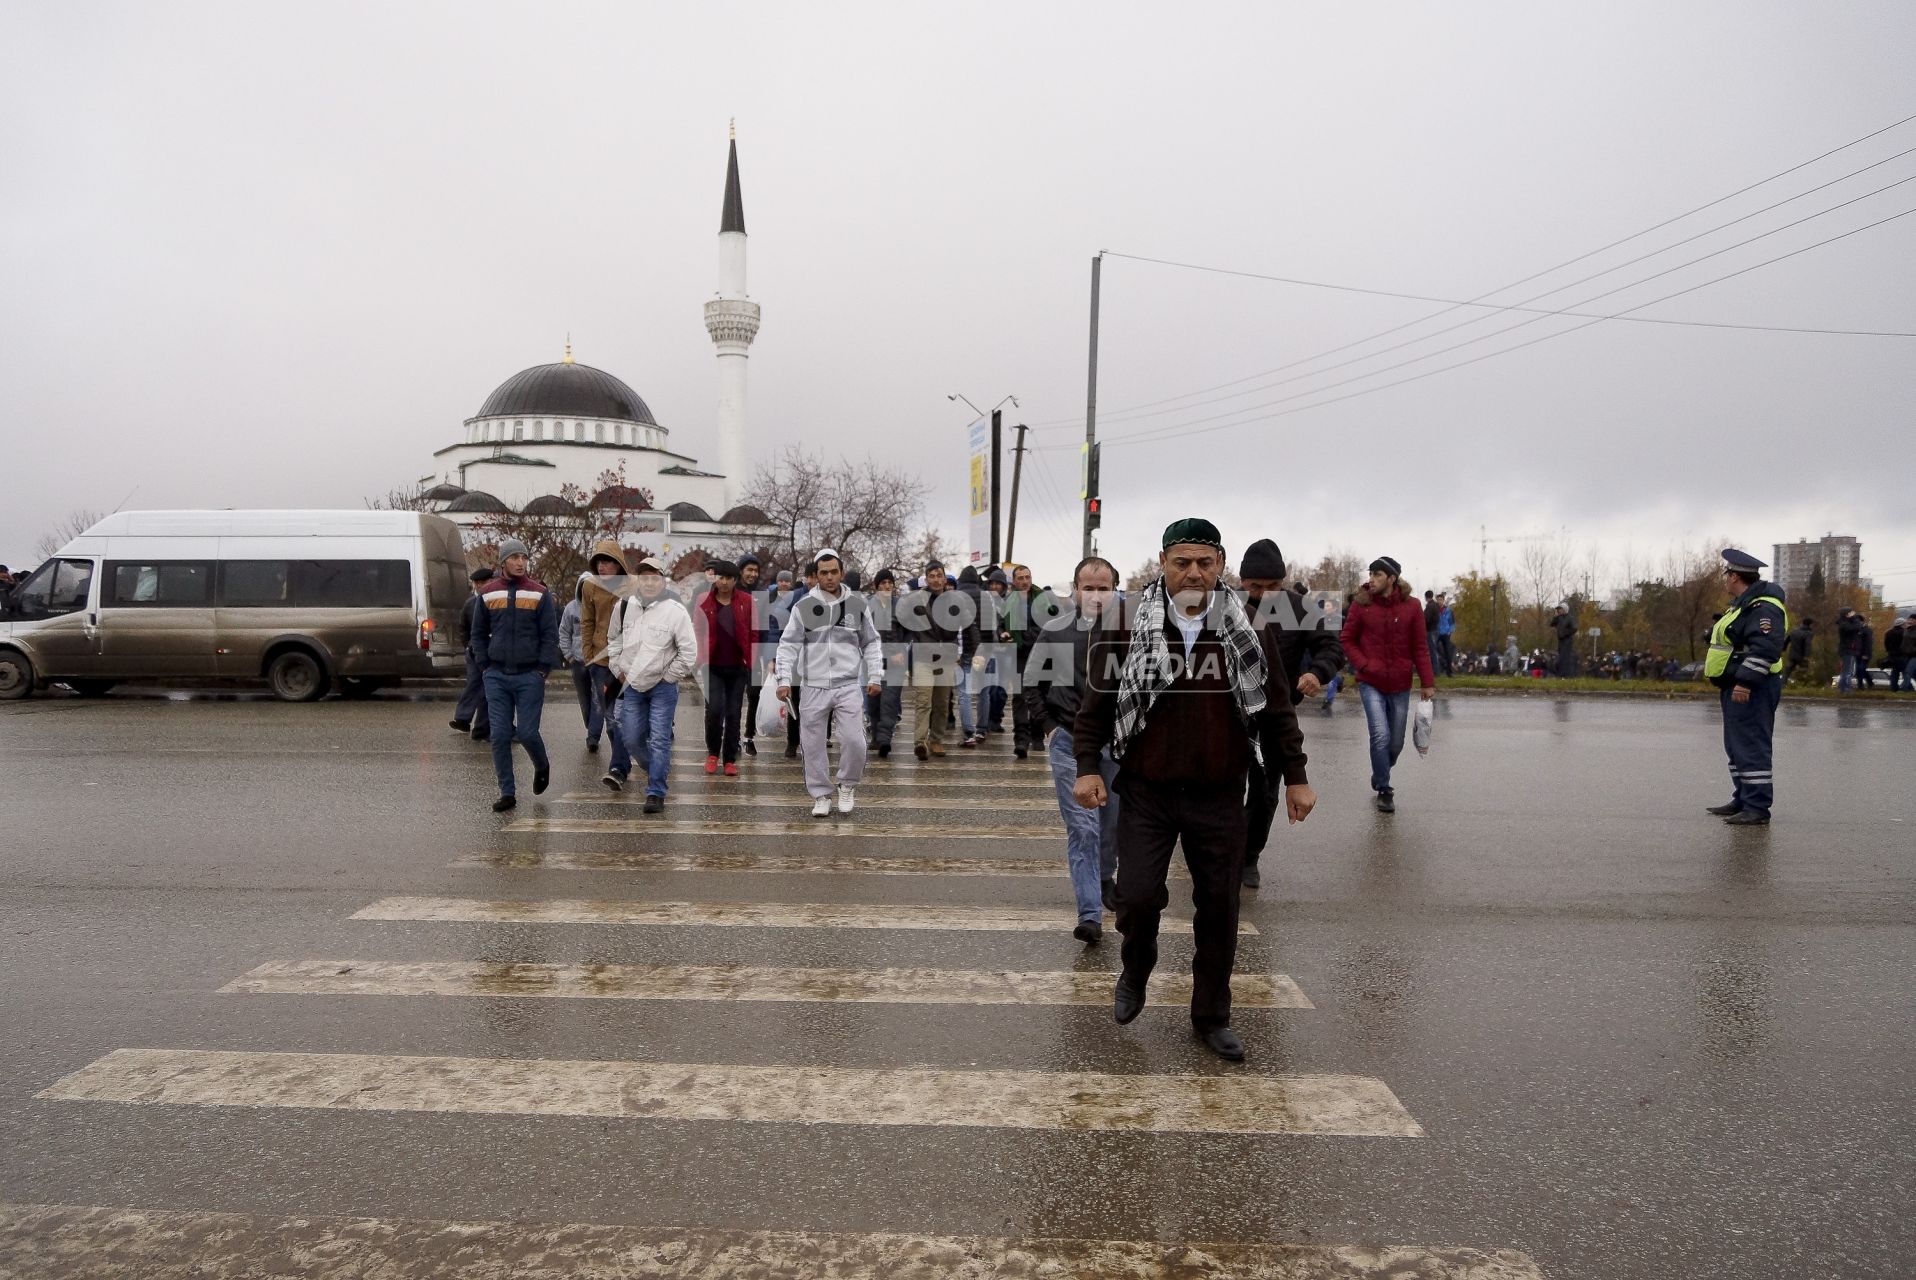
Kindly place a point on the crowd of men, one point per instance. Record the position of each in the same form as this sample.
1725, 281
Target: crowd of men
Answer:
1167, 716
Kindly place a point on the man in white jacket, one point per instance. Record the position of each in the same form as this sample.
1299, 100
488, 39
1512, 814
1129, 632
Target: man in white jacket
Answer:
650, 648
830, 649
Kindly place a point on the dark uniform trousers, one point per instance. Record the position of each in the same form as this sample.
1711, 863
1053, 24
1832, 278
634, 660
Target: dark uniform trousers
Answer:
1153, 817
1748, 729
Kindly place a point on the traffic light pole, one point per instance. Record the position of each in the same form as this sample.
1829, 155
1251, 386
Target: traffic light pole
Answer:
1091, 398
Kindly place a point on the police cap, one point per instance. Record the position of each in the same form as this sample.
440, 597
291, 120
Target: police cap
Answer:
1743, 560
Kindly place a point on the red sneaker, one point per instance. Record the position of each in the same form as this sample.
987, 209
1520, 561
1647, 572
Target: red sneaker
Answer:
711, 764
731, 771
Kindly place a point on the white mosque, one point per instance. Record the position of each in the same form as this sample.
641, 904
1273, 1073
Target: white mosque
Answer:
567, 424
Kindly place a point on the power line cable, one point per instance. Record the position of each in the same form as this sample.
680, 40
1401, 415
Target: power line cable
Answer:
1637, 235
1429, 355
1174, 430
1539, 312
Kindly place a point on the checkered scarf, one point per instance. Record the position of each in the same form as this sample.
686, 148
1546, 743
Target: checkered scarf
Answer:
1148, 668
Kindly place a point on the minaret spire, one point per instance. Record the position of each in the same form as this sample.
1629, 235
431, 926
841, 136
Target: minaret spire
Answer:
732, 321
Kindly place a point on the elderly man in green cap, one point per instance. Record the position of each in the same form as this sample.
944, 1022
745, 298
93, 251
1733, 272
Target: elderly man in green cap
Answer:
1187, 694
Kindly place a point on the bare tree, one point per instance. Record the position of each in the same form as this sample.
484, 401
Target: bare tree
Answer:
866, 510
560, 545
66, 530
1144, 575
413, 499
1337, 575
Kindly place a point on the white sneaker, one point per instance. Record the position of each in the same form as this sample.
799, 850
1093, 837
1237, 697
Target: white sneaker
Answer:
822, 807
844, 799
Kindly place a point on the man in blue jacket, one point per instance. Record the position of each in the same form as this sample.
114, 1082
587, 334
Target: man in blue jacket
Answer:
516, 637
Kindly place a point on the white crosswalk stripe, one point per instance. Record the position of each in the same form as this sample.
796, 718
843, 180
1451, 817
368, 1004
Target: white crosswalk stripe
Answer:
763, 915
134, 1244
1329, 1105
785, 863
798, 827
733, 982
797, 799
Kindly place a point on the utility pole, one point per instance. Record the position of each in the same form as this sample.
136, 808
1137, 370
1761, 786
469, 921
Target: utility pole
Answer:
1091, 397
1017, 471
997, 452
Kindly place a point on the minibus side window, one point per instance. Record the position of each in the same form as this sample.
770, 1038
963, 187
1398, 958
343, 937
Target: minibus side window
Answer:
255, 584
160, 584
352, 584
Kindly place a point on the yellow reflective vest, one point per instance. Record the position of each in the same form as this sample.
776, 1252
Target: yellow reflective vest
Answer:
1717, 661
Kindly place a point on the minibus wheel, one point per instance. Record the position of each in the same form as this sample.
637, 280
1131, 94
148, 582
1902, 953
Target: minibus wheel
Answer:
16, 675
296, 676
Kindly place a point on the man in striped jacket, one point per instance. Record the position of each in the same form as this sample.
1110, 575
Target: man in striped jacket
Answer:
515, 635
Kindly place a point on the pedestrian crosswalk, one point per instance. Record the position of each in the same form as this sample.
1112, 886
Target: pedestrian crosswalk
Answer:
1016, 837
764, 915
727, 982
62, 1240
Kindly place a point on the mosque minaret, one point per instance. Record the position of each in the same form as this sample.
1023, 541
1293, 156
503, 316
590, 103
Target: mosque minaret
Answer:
732, 320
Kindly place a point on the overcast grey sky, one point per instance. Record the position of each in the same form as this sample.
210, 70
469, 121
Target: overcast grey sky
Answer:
273, 254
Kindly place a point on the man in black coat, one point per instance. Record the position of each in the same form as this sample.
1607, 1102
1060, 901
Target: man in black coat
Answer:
1307, 641
1796, 647
1565, 627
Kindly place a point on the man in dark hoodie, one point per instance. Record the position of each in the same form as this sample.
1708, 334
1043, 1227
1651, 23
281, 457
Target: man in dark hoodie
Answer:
966, 690
469, 715
516, 635
1307, 641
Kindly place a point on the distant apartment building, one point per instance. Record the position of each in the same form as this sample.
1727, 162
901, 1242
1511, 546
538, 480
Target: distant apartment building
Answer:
1840, 556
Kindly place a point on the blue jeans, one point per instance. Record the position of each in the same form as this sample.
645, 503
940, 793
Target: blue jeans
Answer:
967, 717
646, 716
1909, 676
515, 701
601, 681
1853, 666
1387, 714
1091, 835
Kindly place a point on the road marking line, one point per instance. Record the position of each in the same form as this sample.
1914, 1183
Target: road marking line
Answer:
912, 769
761, 915
796, 800
805, 827
141, 1244
789, 863
1332, 1105
734, 983
712, 784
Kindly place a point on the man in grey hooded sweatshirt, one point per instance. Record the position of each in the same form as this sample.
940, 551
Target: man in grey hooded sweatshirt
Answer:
830, 649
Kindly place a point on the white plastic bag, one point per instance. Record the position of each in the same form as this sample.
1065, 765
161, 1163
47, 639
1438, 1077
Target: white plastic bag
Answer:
771, 714
1420, 731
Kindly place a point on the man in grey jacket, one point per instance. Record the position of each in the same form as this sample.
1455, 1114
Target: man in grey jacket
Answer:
830, 649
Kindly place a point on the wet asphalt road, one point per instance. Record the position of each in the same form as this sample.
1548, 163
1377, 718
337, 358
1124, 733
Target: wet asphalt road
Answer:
1638, 1043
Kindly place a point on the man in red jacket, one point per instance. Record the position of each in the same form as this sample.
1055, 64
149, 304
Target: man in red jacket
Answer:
1385, 643
724, 625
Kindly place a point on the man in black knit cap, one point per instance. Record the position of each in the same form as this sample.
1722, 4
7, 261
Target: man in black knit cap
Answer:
1187, 694
1307, 642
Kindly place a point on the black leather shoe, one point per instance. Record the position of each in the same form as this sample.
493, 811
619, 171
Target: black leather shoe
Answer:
541, 778
791, 749
655, 804
1725, 810
1089, 932
461, 726
504, 803
1224, 1043
1747, 818
1126, 1002
1250, 879
1387, 802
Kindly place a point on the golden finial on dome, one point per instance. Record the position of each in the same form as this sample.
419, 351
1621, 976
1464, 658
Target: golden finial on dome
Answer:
568, 348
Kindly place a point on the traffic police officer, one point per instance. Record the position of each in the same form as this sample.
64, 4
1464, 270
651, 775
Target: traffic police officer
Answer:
1745, 662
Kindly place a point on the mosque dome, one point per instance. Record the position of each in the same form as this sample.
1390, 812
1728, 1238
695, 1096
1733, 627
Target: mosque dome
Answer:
566, 390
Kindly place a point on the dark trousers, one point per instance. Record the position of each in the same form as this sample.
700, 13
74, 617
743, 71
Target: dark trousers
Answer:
791, 721
588, 700
724, 700
1261, 799
1208, 818
1027, 710
1748, 728
1448, 648
471, 708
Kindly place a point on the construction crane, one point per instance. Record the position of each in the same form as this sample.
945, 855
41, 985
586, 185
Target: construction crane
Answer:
1497, 615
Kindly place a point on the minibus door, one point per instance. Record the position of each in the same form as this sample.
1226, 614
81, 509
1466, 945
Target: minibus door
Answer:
56, 614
